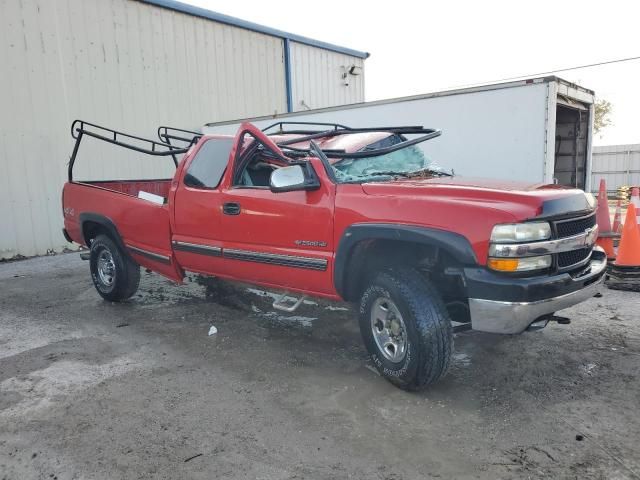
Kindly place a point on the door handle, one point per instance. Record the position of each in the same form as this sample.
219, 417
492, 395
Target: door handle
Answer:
231, 208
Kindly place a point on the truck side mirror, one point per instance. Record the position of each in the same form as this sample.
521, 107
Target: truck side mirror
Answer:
294, 177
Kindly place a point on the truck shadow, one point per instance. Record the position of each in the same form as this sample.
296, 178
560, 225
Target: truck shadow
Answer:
496, 369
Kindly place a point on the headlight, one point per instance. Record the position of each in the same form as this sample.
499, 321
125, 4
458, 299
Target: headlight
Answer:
509, 251
519, 264
591, 200
521, 232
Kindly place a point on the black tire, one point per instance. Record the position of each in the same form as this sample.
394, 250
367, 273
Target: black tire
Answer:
428, 345
125, 277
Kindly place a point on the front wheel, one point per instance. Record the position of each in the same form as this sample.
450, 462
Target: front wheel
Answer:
406, 328
115, 276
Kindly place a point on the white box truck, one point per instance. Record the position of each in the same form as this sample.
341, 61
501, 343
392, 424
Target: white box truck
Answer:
536, 130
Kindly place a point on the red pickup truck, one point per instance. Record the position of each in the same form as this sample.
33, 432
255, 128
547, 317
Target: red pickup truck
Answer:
354, 214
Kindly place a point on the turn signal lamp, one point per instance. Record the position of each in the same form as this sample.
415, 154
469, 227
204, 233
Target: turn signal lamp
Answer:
524, 264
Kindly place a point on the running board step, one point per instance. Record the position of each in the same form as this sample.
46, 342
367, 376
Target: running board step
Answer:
287, 303
461, 327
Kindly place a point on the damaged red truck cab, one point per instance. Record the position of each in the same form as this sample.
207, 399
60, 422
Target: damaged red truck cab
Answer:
354, 214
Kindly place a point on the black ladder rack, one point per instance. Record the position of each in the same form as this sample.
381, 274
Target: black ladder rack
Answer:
79, 128
425, 134
282, 131
189, 137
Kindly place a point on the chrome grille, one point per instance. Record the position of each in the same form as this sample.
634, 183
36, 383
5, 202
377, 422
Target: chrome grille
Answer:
569, 228
566, 259
574, 226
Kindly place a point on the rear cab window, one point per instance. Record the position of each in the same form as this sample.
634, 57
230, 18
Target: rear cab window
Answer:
209, 164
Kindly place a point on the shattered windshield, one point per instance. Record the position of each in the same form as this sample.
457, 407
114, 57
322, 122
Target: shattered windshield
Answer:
406, 162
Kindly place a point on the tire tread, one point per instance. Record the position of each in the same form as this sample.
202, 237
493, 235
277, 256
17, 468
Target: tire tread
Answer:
432, 324
127, 271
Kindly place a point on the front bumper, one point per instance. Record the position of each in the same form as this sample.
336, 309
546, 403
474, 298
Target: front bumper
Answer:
499, 304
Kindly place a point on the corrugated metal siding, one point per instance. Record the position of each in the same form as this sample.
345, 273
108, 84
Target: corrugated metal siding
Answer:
619, 165
120, 63
317, 78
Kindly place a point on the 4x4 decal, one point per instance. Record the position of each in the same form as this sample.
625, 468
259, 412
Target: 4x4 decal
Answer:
310, 243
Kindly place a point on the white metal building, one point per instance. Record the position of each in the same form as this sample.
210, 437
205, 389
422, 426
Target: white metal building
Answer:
134, 65
619, 165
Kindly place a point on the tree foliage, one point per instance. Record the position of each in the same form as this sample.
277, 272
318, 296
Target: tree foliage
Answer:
602, 117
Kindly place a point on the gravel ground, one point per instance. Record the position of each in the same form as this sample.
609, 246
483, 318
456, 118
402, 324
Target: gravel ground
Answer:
94, 390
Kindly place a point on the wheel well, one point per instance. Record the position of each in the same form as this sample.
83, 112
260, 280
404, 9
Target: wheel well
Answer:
433, 262
90, 230
96, 225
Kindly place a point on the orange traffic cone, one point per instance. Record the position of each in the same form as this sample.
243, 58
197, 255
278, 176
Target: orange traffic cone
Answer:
617, 226
624, 274
635, 199
604, 222
629, 249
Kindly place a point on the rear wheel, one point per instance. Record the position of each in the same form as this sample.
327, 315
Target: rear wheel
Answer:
406, 328
115, 276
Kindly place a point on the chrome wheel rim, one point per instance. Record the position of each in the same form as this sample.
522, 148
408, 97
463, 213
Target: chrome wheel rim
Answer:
106, 268
388, 328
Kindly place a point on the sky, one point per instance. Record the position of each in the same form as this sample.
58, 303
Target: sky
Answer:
425, 46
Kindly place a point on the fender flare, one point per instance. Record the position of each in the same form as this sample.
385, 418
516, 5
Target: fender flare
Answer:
104, 222
453, 243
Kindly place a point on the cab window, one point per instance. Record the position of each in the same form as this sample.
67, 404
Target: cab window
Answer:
208, 166
255, 163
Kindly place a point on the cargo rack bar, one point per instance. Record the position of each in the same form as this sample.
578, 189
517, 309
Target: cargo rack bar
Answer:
339, 129
425, 134
166, 134
281, 125
79, 128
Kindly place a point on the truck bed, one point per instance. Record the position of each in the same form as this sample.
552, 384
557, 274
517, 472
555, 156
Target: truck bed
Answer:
142, 226
134, 187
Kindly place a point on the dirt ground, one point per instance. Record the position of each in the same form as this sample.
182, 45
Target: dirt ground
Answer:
94, 390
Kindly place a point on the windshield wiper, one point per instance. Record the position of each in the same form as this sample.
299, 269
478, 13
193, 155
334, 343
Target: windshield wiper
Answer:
389, 173
432, 171
413, 174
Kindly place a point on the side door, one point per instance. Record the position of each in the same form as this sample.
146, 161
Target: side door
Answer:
283, 239
197, 207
